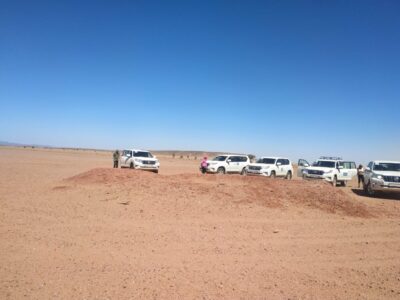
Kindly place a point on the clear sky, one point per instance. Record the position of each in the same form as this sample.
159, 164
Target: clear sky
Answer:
295, 78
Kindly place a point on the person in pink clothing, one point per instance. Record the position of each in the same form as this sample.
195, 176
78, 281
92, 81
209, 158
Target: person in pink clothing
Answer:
204, 165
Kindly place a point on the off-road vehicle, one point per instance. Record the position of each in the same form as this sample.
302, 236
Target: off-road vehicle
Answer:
382, 176
331, 169
272, 167
228, 163
139, 159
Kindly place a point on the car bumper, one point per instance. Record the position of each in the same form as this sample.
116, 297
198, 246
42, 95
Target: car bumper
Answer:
257, 173
379, 185
147, 167
320, 177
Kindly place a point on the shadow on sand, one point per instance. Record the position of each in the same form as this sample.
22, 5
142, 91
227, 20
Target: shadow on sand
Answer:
391, 195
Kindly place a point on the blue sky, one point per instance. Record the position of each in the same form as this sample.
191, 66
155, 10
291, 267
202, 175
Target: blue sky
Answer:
294, 78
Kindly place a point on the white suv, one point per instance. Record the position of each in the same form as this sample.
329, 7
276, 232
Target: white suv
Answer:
331, 169
228, 164
271, 166
139, 159
382, 176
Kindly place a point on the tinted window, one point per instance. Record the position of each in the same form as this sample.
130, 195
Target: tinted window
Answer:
280, 161
220, 158
268, 161
370, 165
286, 162
143, 154
394, 167
235, 158
243, 159
127, 153
325, 164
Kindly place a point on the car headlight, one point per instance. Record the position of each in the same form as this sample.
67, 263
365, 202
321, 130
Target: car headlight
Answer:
377, 176
328, 172
305, 171
138, 160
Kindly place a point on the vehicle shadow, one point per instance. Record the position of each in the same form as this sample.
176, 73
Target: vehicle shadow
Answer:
380, 195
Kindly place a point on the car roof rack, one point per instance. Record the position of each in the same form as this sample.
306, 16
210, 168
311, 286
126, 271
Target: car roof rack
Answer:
331, 157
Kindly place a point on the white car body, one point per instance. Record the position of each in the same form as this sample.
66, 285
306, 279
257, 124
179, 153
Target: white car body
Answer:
271, 166
382, 176
228, 163
333, 170
139, 159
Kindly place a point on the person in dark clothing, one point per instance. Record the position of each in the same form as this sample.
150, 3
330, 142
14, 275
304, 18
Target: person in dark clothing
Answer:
360, 175
116, 158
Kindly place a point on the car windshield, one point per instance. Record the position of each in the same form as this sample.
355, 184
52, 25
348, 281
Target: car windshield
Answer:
394, 167
268, 161
324, 164
219, 158
143, 154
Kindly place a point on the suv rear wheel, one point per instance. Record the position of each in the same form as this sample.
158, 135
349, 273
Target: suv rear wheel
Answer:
132, 166
273, 174
288, 175
243, 172
221, 170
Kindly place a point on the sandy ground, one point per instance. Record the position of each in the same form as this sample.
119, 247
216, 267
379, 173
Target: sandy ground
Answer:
74, 228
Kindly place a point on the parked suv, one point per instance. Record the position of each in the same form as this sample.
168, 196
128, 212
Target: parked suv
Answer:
331, 169
382, 176
139, 159
228, 164
271, 166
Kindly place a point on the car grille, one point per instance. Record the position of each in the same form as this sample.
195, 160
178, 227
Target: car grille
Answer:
254, 168
149, 162
391, 178
315, 172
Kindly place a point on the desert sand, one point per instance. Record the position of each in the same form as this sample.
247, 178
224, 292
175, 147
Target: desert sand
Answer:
74, 228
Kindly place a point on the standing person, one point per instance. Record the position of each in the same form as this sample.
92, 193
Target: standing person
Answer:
203, 165
116, 158
360, 174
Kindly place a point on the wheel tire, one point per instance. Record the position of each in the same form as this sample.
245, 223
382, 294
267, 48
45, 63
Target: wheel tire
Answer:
132, 165
289, 175
304, 176
343, 183
334, 181
273, 174
221, 170
370, 191
243, 172
155, 171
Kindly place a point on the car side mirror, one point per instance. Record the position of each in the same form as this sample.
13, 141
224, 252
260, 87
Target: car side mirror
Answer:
305, 165
367, 169
340, 167
278, 164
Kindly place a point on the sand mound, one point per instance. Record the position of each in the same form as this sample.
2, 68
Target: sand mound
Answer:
230, 190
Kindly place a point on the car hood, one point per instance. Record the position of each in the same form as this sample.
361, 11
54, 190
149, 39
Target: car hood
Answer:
387, 173
260, 165
319, 168
146, 158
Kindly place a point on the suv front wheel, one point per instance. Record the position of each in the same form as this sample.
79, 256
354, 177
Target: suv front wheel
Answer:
334, 181
221, 170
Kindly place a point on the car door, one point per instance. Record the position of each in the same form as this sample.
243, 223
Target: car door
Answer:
301, 165
280, 167
125, 158
347, 170
233, 164
243, 163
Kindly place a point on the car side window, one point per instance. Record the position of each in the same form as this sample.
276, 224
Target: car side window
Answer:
370, 165
233, 158
243, 159
285, 162
280, 161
